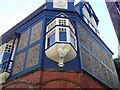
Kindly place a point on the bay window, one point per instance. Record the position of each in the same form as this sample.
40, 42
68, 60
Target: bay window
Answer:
60, 30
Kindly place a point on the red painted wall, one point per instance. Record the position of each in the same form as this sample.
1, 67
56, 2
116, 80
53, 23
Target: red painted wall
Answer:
45, 79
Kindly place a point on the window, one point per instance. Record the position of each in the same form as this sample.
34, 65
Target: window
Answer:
62, 34
8, 48
51, 40
72, 40
71, 26
86, 13
62, 31
62, 22
118, 5
0, 58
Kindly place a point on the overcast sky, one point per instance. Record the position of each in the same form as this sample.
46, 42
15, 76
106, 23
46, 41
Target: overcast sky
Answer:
14, 11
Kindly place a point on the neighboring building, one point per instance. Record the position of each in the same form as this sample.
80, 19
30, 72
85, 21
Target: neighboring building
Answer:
57, 46
114, 11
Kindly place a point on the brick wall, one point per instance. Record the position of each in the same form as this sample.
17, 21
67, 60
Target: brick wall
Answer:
46, 79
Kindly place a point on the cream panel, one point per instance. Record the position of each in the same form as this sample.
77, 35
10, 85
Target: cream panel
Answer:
51, 25
60, 4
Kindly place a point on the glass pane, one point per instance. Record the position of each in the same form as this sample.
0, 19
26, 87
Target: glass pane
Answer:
62, 36
0, 58
51, 40
62, 22
72, 40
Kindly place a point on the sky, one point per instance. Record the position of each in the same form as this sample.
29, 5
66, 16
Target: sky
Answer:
14, 11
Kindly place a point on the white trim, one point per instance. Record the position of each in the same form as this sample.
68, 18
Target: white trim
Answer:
57, 34
71, 26
68, 35
57, 21
51, 25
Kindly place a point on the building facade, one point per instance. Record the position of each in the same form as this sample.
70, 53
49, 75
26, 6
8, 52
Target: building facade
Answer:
114, 11
57, 46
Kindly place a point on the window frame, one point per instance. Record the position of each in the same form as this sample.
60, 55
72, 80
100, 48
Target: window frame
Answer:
63, 30
48, 35
49, 43
75, 40
63, 22
72, 40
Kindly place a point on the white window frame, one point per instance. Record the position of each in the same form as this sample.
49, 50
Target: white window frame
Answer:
50, 34
75, 42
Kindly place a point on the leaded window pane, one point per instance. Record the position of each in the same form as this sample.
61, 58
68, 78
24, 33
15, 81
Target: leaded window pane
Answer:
72, 40
51, 40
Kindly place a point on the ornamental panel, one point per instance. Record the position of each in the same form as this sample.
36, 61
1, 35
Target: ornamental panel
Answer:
83, 36
63, 4
36, 32
92, 45
115, 81
110, 77
96, 68
113, 66
19, 62
33, 56
23, 40
105, 58
100, 53
108, 62
86, 60
104, 73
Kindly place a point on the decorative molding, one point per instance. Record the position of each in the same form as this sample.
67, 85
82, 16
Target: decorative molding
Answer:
4, 76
